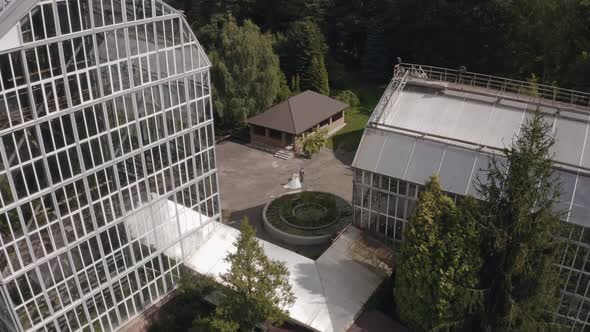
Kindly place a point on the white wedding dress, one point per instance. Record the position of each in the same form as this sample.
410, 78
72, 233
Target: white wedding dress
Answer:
294, 183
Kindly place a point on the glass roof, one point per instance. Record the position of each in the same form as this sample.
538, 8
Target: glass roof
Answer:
483, 120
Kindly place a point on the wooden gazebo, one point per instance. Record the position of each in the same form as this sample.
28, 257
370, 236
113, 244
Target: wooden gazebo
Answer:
298, 115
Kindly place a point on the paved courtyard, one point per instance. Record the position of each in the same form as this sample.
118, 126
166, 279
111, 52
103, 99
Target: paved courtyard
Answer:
250, 178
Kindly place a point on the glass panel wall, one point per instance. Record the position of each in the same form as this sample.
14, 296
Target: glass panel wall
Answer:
382, 206
107, 162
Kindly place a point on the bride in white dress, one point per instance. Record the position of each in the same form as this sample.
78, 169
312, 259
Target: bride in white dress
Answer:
294, 183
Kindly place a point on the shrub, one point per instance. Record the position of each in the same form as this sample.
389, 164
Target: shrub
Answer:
348, 97
312, 143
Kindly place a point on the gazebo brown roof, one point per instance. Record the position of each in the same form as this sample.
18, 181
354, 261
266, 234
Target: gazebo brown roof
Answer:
299, 113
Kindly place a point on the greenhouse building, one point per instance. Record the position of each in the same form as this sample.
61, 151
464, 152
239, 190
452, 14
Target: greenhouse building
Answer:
107, 165
450, 123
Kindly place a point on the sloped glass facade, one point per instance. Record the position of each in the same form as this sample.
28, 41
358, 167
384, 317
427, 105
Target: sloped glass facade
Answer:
107, 163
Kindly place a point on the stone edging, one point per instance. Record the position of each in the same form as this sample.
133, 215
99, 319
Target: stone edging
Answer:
292, 238
311, 228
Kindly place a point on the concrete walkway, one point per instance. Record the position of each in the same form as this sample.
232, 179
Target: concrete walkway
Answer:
330, 292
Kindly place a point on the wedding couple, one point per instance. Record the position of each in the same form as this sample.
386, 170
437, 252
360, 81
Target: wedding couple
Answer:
296, 181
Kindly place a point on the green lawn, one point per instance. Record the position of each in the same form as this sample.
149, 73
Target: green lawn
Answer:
348, 138
356, 118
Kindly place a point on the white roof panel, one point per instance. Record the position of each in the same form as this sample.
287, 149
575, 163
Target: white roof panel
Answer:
442, 112
471, 117
395, 156
479, 174
425, 161
455, 169
569, 138
580, 211
448, 119
372, 143
503, 126
568, 183
586, 154
414, 106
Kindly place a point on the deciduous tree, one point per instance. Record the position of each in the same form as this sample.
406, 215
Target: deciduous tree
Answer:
246, 75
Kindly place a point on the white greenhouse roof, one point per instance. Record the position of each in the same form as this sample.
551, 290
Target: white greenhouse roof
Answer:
330, 292
171, 221
422, 128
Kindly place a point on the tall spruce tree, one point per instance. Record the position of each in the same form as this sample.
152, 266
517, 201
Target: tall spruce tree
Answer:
315, 77
374, 61
295, 87
520, 198
304, 45
439, 263
258, 289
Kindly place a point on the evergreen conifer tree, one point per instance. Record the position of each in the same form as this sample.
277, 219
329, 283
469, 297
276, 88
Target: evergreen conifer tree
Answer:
438, 266
295, 85
374, 60
315, 77
284, 90
521, 219
258, 289
303, 55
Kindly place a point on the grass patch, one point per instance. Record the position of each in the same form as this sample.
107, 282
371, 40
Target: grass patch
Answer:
349, 137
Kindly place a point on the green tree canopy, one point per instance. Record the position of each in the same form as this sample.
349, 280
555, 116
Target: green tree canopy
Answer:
315, 78
514, 38
302, 52
374, 61
439, 263
521, 221
278, 14
295, 84
246, 75
258, 289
